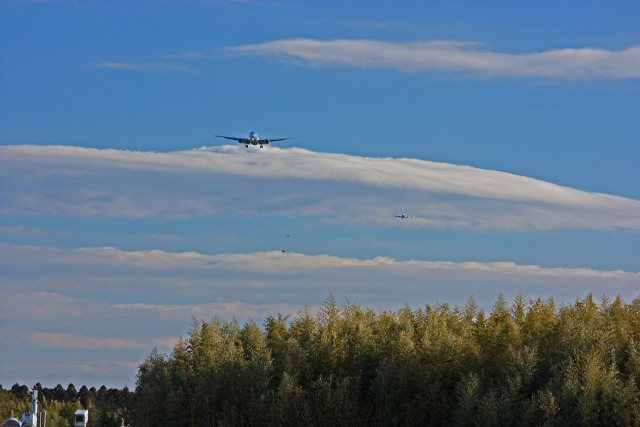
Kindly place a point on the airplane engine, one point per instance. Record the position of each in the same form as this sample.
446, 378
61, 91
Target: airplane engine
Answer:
266, 141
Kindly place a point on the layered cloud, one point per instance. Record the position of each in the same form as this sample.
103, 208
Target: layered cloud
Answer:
230, 181
65, 370
122, 297
93, 259
150, 281
454, 56
75, 341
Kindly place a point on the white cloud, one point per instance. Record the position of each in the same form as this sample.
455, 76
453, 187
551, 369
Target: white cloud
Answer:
293, 182
454, 56
245, 273
76, 341
223, 310
21, 230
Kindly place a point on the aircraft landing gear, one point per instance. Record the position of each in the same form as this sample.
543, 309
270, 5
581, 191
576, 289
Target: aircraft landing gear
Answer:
246, 146
261, 146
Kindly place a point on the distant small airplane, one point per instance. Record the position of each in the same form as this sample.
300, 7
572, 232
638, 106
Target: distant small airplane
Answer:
403, 216
253, 139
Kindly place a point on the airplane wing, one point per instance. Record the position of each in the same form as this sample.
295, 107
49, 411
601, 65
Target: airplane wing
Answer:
240, 140
268, 140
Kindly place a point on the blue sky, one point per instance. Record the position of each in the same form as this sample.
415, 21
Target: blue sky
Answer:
508, 130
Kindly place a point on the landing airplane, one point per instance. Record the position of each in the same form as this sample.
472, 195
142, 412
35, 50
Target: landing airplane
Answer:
403, 216
253, 139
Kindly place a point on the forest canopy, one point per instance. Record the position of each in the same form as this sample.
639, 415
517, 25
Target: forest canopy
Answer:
526, 363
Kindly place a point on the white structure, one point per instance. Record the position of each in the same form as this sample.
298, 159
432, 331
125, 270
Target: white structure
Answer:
81, 418
30, 419
12, 422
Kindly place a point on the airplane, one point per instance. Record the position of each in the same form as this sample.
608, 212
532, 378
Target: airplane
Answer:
403, 216
253, 139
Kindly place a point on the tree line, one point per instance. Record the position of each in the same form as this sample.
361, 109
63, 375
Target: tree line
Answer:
530, 362
106, 406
